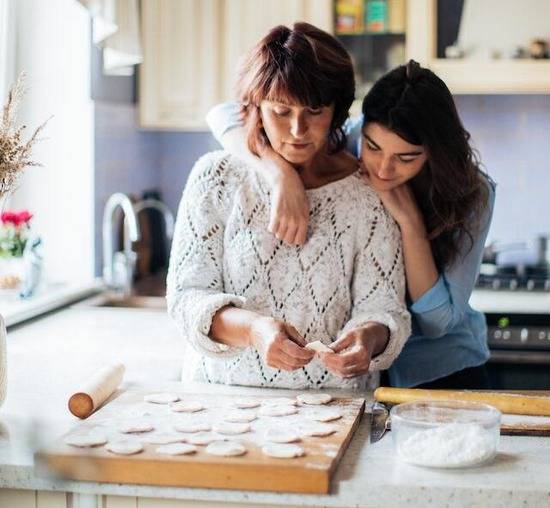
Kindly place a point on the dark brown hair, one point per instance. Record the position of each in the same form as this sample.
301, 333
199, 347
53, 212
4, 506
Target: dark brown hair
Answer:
303, 64
451, 190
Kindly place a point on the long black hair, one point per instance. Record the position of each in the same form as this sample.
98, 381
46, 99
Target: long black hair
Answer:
451, 189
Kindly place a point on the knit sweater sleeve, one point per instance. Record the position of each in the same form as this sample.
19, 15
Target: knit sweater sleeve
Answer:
378, 286
195, 288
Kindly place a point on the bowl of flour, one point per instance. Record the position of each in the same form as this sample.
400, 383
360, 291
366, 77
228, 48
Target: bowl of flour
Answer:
445, 434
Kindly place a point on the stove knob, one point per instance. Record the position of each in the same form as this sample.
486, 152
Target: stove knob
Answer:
496, 284
513, 284
506, 334
530, 285
497, 334
547, 285
524, 335
542, 335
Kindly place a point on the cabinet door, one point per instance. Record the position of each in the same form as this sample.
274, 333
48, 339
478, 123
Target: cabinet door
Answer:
246, 21
179, 79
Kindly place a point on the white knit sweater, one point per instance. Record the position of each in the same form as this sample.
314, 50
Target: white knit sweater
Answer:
349, 272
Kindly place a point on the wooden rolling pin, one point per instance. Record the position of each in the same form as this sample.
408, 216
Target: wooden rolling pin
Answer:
508, 403
96, 390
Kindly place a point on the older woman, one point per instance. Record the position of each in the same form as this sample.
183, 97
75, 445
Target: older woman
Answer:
246, 301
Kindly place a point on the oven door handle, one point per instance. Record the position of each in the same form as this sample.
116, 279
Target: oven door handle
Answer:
524, 357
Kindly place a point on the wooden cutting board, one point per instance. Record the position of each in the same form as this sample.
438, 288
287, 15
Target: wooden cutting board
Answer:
253, 471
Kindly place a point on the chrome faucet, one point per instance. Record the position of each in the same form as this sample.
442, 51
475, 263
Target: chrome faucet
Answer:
118, 267
162, 208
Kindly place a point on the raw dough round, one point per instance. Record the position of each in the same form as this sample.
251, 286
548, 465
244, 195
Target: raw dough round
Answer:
231, 428
245, 403
85, 440
319, 430
164, 438
124, 447
283, 451
281, 435
279, 401
184, 406
161, 398
203, 438
278, 410
319, 347
327, 415
240, 416
176, 449
314, 398
135, 426
192, 427
225, 449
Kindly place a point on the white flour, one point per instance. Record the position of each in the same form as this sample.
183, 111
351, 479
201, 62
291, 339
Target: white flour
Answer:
449, 445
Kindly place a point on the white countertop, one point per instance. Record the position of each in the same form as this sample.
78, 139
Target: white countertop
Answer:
48, 357
48, 297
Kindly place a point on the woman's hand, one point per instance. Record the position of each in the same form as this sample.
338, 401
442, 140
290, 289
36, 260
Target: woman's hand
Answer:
279, 343
354, 350
289, 214
401, 204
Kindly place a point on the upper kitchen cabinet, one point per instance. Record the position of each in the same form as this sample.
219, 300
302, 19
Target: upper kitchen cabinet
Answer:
482, 47
182, 62
192, 47
246, 21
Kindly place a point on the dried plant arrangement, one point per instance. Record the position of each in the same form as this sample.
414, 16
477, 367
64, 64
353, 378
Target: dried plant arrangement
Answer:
15, 153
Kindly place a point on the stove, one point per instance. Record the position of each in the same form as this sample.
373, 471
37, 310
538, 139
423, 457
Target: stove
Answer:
514, 278
520, 350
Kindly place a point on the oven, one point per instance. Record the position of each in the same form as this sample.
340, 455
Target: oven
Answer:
520, 350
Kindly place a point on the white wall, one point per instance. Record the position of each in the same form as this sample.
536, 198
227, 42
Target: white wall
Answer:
53, 48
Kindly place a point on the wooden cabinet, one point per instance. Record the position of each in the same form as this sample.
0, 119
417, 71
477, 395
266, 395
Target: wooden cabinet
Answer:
469, 76
191, 49
179, 79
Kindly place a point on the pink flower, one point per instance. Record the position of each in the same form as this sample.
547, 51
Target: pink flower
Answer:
16, 218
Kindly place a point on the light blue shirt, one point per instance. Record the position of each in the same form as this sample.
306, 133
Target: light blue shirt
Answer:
447, 334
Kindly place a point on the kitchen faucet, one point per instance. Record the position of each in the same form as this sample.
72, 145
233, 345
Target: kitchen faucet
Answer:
118, 267
162, 208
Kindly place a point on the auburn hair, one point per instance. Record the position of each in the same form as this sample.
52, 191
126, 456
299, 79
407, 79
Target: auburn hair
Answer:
302, 64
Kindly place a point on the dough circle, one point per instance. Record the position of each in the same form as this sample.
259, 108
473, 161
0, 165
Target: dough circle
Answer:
245, 403
225, 449
176, 449
279, 401
314, 399
124, 447
240, 416
283, 451
86, 440
203, 438
319, 430
186, 406
231, 429
164, 438
319, 347
326, 416
281, 435
135, 426
161, 398
192, 427
275, 410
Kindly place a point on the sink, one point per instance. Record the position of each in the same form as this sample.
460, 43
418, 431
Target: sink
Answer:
128, 302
